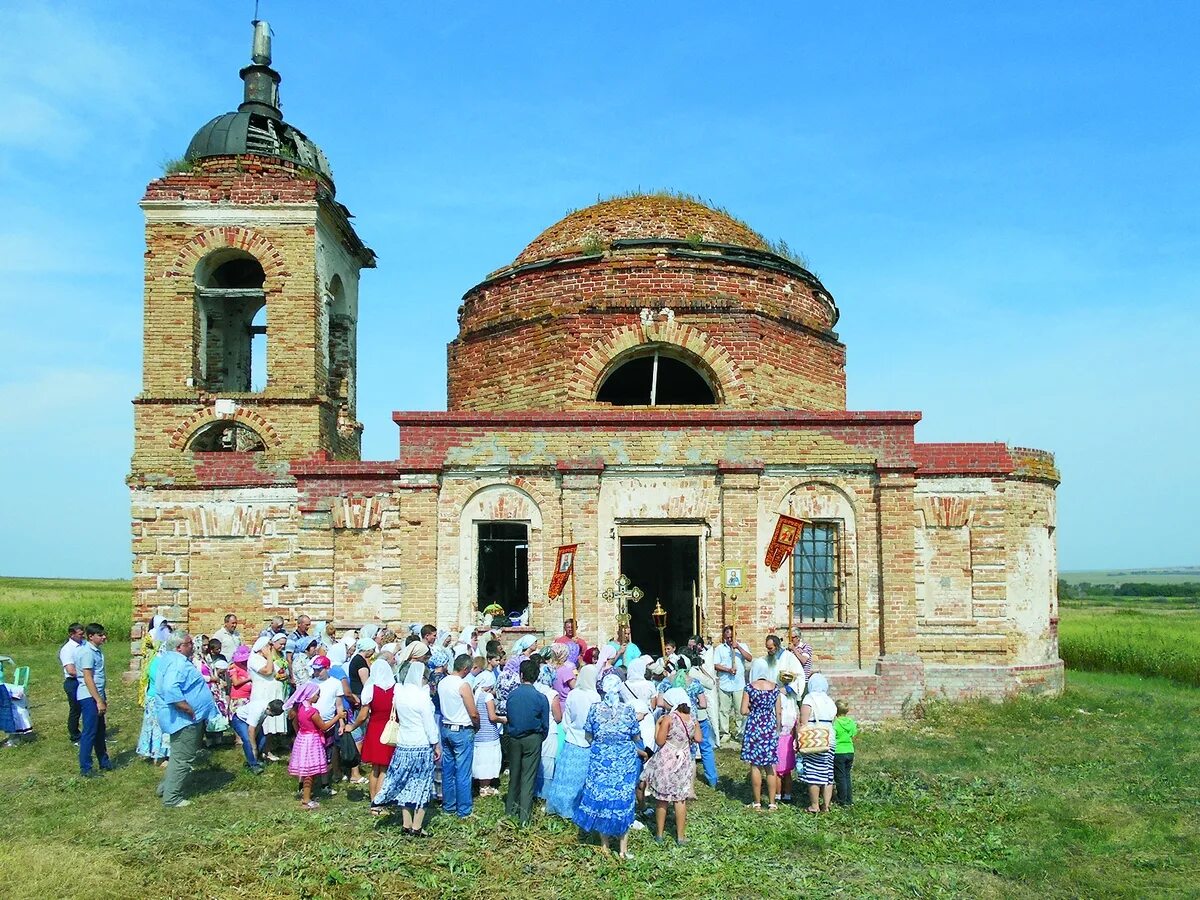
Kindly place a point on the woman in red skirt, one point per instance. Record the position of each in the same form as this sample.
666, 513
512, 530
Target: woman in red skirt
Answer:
376, 709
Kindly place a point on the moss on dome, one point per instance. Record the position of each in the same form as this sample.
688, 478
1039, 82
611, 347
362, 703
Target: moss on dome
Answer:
640, 216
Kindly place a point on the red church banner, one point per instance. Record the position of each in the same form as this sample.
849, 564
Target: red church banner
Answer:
787, 532
562, 569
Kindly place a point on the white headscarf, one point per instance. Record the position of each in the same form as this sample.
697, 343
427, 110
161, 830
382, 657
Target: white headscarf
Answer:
159, 629
761, 669
484, 681
381, 676
414, 675
261, 644
676, 697
522, 644
820, 704
637, 669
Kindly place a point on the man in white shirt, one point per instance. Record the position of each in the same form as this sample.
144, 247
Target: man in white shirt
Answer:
66, 658
460, 719
729, 661
229, 636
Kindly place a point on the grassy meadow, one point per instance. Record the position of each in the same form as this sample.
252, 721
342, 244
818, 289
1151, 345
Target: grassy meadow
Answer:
1091, 794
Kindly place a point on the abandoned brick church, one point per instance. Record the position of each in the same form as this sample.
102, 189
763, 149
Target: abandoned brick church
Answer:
648, 379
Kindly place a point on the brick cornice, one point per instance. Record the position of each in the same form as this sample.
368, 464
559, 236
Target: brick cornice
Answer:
651, 418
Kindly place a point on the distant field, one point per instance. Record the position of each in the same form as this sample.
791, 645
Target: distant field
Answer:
38, 610
1172, 575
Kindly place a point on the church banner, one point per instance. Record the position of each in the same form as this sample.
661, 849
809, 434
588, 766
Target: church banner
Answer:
562, 569
787, 532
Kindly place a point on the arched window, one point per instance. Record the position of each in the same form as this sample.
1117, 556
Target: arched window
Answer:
340, 351
657, 377
226, 436
231, 305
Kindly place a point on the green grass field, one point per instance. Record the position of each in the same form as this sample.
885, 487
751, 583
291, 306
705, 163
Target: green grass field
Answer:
1092, 794
1153, 636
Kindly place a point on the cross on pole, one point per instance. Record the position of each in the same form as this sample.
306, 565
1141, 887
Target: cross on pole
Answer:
622, 594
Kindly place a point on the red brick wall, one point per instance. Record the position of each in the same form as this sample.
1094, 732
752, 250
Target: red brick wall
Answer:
523, 337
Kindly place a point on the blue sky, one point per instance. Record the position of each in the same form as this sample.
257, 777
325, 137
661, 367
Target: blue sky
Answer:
1003, 199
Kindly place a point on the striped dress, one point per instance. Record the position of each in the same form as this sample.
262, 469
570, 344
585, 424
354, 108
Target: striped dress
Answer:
818, 767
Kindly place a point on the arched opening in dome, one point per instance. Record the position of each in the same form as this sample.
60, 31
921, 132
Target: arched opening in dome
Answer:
231, 306
656, 378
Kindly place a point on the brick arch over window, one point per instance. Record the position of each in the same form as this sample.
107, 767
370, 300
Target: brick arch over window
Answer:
597, 362
236, 237
183, 435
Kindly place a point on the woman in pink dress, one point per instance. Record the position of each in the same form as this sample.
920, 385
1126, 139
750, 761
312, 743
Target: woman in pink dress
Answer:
308, 752
671, 772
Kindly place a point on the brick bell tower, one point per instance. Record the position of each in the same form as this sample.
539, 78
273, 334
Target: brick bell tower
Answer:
251, 298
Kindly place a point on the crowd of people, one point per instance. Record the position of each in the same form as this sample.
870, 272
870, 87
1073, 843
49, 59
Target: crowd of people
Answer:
607, 737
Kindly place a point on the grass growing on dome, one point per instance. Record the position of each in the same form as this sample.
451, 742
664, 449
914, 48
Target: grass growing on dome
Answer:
180, 165
778, 247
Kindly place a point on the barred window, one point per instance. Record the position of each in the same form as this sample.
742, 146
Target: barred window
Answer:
816, 573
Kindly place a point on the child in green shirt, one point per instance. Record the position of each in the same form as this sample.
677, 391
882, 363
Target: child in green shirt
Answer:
844, 730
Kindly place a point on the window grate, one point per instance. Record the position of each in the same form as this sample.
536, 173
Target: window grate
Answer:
816, 573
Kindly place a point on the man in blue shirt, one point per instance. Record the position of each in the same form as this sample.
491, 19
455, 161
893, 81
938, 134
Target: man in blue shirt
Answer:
185, 705
729, 659
528, 725
93, 701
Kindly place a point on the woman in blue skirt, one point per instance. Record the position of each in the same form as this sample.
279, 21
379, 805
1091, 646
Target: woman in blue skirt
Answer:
571, 766
408, 782
609, 790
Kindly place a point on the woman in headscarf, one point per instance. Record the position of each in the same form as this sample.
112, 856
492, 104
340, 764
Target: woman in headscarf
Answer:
485, 765
564, 671
760, 738
153, 744
607, 802
156, 630
521, 651
789, 715
570, 768
375, 711
265, 687
338, 649
671, 772
643, 692
545, 686
408, 781
411, 654
818, 708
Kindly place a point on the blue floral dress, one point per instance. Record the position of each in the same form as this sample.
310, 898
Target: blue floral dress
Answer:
760, 740
609, 790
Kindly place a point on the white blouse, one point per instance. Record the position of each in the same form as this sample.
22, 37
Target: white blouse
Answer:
414, 715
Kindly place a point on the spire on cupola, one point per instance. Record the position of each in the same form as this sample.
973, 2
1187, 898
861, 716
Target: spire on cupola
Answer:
262, 82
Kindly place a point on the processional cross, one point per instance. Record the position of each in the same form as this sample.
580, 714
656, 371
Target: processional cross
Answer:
624, 592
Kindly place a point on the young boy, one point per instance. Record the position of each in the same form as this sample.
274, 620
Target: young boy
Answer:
844, 730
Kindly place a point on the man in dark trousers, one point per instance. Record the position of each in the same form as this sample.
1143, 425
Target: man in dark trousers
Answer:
528, 725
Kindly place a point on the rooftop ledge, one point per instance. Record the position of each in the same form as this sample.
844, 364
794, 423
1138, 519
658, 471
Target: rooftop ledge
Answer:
651, 418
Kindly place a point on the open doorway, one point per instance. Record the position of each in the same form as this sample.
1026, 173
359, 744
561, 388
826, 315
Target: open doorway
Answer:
667, 568
503, 553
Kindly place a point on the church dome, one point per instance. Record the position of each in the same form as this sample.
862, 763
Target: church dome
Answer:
236, 133
639, 217
257, 127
